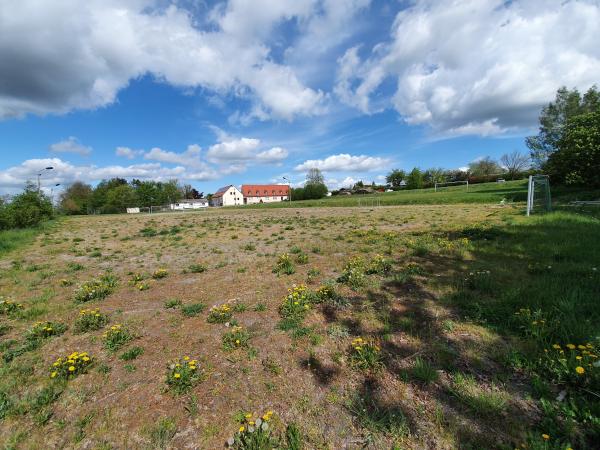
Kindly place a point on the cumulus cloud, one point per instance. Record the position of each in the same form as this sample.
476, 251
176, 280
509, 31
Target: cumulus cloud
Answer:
190, 157
344, 163
46, 70
273, 155
127, 152
71, 145
480, 67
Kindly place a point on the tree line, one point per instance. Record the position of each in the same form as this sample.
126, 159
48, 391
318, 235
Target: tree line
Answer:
117, 194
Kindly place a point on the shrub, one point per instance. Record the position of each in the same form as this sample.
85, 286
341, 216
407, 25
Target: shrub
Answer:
236, 338
96, 289
160, 273
182, 375
220, 314
90, 320
193, 309
284, 265
116, 337
8, 307
365, 354
70, 366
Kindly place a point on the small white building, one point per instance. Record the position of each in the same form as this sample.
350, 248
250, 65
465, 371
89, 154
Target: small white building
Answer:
190, 203
265, 193
227, 196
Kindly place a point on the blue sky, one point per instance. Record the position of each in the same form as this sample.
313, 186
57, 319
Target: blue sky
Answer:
246, 91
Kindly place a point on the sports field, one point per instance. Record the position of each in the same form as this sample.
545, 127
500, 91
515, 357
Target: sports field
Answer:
410, 326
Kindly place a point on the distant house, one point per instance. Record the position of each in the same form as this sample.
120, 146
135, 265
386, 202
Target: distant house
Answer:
190, 203
227, 196
265, 193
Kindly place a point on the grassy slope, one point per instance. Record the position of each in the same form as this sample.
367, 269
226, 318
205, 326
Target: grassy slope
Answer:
478, 193
13, 239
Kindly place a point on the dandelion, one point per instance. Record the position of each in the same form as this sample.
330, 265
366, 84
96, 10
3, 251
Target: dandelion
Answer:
241, 430
556, 346
71, 368
177, 375
571, 346
546, 436
580, 370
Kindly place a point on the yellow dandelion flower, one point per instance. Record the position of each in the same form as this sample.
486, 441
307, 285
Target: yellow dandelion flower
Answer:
248, 415
241, 430
580, 370
53, 374
177, 375
571, 346
546, 436
71, 368
186, 358
556, 346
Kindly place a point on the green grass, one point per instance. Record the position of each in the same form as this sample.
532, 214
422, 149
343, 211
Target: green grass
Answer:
515, 191
13, 239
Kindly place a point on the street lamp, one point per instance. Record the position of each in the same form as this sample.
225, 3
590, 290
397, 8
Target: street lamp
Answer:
40, 174
52, 192
289, 189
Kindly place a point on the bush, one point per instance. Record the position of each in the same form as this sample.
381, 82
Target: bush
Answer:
26, 210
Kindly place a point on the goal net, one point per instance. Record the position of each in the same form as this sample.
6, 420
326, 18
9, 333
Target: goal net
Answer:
538, 194
439, 186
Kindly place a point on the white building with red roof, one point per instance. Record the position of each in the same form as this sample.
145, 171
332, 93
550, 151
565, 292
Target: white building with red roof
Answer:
227, 196
265, 193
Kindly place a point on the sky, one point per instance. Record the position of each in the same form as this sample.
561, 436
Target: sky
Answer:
251, 91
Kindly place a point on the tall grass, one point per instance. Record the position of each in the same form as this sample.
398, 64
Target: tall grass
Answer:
12, 239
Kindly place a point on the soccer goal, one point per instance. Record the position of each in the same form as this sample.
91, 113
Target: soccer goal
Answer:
450, 183
538, 194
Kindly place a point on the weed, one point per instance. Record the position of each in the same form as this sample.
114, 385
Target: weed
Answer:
234, 339
197, 268
183, 374
423, 371
220, 314
132, 353
192, 309
173, 303
160, 273
96, 289
70, 366
162, 433
90, 320
116, 337
284, 265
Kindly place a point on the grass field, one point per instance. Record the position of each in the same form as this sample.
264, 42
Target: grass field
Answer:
412, 326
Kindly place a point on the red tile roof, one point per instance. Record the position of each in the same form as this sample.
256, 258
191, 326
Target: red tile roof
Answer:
265, 190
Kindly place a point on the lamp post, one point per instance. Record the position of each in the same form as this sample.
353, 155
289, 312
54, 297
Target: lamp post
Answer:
289, 189
52, 192
40, 174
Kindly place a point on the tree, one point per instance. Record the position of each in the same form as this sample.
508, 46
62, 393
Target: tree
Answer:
27, 209
190, 192
395, 177
76, 198
555, 116
576, 160
514, 163
119, 198
414, 180
314, 176
484, 166
434, 175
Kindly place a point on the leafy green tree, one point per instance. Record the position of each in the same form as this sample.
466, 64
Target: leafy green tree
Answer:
27, 209
415, 179
315, 176
314, 188
100, 195
484, 167
119, 198
76, 198
576, 160
555, 116
434, 175
395, 177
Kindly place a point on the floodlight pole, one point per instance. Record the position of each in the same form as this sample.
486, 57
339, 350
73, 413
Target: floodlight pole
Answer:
289, 189
39, 176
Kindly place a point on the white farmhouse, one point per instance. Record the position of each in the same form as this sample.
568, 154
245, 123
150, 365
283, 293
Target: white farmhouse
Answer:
265, 193
227, 196
190, 203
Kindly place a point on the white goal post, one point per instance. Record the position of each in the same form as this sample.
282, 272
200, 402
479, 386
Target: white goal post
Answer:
538, 194
446, 183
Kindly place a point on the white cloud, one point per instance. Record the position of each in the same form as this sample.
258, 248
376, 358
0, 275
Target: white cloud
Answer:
273, 155
480, 67
241, 149
45, 70
127, 152
71, 145
190, 157
344, 163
